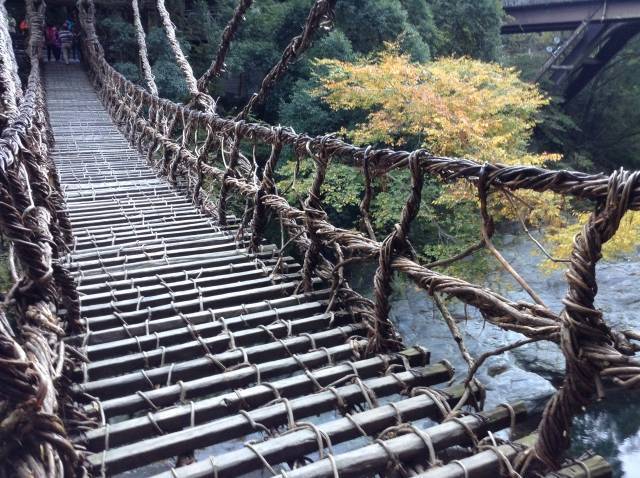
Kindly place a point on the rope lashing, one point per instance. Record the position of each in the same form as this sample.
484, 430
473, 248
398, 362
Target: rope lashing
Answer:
588, 344
314, 213
397, 243
142, 47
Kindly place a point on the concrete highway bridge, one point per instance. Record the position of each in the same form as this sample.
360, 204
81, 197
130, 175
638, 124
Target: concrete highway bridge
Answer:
600, 29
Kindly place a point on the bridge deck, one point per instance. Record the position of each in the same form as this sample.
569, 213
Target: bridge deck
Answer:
196, 345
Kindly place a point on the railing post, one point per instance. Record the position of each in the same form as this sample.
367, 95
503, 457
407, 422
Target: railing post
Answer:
384, 336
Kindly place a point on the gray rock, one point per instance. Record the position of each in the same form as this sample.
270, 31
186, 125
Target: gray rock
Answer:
526, 372
514, 384
543, 358
504, 377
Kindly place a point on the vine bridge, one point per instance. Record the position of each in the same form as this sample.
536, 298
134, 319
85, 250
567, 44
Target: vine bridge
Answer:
152, 329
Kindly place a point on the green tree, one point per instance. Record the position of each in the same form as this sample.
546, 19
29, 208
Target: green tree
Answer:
369, 23
458, 107
304, 111
129, 70
467, 27
203, 34
420, 15
169, 78
599, 130
118, 37
607, 113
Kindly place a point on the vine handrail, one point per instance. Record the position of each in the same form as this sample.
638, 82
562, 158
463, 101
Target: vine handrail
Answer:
33, 217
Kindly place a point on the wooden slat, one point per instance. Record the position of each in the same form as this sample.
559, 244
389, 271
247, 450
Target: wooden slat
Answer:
150, 272
99, 369
375, 458
190, 369
167, 295
217, 431
206, 330
240, 312
221, 383
186, 279
201, 303
174, 418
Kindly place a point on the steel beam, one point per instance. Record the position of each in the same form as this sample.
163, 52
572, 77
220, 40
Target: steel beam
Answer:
618, 36
527, 17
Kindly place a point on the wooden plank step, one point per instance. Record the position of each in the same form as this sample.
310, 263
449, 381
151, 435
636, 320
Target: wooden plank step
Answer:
243, 311
315, 362
174, 418
171, 444
187, 370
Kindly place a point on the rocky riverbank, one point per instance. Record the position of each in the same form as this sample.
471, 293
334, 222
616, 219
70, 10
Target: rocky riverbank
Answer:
529, 373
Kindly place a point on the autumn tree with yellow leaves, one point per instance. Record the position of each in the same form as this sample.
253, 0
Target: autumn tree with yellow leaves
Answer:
451, 107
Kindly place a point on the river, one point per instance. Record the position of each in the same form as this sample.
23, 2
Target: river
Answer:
610, 428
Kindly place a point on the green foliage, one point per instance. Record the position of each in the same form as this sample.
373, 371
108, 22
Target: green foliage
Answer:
360, 28
157, 45
255, 47
291, 17
171, 83
370, 23
203, 33
607, 114
5, 276
169, 78
467, 27
597, 130
334, 44
460, 107
118, 38
391, 197
129, 70
411, 42
259, 55
419, 14
341, 191
304, 111
439, 231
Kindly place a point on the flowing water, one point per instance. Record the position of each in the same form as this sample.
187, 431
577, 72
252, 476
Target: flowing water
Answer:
610, 428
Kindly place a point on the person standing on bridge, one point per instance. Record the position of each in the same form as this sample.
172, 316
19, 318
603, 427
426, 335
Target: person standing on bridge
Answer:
24, 27
52, 41
77, 51
66, 42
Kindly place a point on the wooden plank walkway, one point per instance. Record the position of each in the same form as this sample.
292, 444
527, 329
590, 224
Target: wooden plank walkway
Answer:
196, 345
